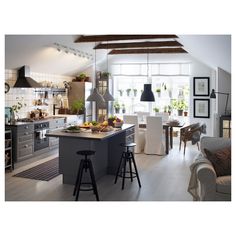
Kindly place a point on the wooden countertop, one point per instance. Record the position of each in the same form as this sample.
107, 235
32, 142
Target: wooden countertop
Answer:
87, 134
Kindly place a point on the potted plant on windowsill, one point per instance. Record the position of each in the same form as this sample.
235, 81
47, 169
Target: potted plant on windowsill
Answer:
117, 107
123, 108
158, 91
135, 92
180, 106
186, 111
156, 110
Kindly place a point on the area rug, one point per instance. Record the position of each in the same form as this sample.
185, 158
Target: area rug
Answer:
45, 171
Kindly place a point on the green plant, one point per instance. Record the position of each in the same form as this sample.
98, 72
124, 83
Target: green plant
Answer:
121, 91
158, 90
105, 75
156, 109
17, 107
165, 108
81, 77
78, 106
135, 90
128, 91
179, 104
164, 86
116, 105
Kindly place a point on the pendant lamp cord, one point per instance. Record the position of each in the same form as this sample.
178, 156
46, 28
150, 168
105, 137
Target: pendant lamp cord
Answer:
95, 64
147, 63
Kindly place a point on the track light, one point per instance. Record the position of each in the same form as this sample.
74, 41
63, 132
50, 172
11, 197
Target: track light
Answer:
73, 51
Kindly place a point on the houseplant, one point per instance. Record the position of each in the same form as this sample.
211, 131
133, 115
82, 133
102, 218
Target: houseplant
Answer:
158, 91
128, 91
135, 92
105, 75
16, 108
180, 106
117, 107
123, 108
78, 107
81, 78
121, 92
156, 109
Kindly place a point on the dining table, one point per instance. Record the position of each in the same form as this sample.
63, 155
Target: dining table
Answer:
168, 127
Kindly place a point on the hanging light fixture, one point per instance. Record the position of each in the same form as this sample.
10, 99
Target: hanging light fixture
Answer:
107, 96
95, 96
147, 94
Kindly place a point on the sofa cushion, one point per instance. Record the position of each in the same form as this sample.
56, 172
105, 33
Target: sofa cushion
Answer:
223, 184
221, 160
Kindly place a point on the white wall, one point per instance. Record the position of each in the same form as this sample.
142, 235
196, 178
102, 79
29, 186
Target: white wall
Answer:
199, 69
222, 84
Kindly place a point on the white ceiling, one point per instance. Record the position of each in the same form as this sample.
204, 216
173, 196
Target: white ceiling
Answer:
38, 52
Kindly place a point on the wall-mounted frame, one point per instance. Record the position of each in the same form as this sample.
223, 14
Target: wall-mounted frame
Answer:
201, 86
201, 108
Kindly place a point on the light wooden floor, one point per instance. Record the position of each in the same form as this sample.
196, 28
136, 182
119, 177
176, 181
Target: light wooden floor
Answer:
162, 178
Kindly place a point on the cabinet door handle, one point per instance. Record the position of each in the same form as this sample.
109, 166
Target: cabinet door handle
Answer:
26, 145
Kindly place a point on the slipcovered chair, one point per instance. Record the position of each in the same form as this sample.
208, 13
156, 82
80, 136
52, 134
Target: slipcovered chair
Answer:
139, 135
154, 136
164, 115
191, 133
142, 116
204, 184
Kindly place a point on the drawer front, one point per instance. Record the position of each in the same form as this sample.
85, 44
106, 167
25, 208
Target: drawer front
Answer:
56, 123
25, 149
25, 137
25, 128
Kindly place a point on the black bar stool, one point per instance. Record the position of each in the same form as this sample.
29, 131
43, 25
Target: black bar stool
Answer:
127, 156
85, 164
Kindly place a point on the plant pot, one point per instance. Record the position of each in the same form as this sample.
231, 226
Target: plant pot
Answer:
180, 112
185, 113
117, 110
135, 93
123, 110
159, 94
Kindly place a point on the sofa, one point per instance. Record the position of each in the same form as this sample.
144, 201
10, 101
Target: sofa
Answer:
209, 187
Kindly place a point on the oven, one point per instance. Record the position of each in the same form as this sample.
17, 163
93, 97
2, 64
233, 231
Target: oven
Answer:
40, 140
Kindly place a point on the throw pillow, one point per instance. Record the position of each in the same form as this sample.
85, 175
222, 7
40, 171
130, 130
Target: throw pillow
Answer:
221, 160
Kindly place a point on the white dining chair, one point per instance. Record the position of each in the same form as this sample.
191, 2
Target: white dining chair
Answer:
142, 116
154, 136
164, 115
139, 135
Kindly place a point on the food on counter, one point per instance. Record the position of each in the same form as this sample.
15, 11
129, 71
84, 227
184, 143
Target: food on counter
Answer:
118, 122
105, 123
106, 129
72, 129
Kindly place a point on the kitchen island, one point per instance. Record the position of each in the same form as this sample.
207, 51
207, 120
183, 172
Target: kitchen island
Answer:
106, 145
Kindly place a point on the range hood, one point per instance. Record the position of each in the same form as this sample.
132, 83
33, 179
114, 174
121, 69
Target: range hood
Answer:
24, 80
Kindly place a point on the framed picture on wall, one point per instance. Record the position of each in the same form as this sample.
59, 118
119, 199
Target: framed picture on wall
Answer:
201, 86
201, 108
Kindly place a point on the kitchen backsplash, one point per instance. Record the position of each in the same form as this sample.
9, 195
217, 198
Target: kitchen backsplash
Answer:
27, 96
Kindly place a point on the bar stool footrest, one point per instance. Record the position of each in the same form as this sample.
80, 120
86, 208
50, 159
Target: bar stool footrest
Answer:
127, 177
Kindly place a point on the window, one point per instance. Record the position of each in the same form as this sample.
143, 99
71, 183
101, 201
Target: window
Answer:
172, 79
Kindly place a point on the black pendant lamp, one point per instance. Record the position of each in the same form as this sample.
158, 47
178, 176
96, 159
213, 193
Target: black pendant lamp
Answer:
147, 94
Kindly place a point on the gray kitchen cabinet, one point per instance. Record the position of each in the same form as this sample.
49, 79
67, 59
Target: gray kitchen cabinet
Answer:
56, 123
22, 141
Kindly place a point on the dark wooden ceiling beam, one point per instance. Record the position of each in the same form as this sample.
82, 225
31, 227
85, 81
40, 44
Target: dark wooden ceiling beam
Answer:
146, 50
138, 45
116, 37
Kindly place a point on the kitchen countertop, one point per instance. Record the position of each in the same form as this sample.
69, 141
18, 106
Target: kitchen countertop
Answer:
87, 134
36, 121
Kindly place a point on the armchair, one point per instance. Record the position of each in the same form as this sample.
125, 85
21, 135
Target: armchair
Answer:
204, 184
